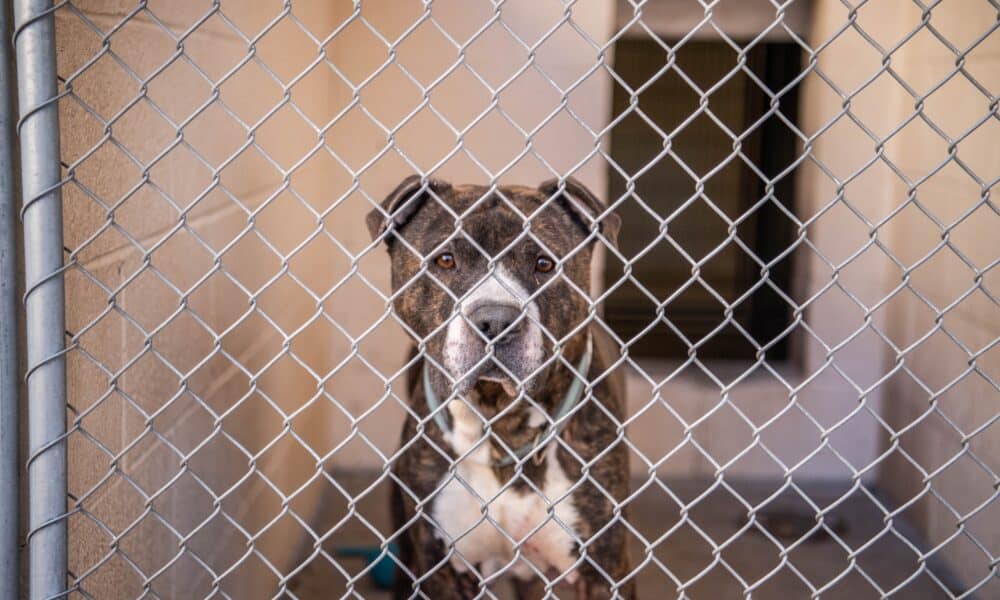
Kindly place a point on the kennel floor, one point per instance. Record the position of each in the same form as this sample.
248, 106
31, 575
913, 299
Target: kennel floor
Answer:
737, 557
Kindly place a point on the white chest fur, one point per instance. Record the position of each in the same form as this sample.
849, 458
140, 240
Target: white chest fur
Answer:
486, 524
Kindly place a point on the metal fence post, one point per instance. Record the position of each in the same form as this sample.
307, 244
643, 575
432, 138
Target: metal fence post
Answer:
9, 461
34, 40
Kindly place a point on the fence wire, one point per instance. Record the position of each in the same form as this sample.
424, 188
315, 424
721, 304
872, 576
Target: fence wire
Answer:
237, 368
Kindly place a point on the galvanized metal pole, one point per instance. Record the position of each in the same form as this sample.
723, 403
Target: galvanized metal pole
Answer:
34, 40
9, 380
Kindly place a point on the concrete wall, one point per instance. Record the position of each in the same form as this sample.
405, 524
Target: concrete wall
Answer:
924, 274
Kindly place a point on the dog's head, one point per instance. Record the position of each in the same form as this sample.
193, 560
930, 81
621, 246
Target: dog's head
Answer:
492, 282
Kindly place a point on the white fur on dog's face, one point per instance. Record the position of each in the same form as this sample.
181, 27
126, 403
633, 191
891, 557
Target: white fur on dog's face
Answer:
522, 354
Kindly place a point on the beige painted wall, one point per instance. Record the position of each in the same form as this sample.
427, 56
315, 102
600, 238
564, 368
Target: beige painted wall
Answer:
933, 381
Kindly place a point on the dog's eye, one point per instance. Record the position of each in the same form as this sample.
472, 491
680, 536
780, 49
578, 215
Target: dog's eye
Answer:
445, 260
544, 264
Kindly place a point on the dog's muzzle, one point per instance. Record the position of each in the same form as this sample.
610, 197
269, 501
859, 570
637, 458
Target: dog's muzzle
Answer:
556, 421
498, 323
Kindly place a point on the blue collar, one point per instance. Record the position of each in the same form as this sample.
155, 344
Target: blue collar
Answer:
545, 436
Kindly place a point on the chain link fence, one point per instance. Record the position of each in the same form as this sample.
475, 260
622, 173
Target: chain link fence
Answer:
786, 362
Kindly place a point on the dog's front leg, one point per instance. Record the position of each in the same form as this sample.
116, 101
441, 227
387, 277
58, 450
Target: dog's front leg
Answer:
531, 589
587, 589
444, 583
431, 575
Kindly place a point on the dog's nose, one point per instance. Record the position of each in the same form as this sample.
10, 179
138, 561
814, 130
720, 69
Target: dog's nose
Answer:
493, 319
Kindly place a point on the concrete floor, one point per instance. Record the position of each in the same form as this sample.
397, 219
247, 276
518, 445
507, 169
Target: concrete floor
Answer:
748, 559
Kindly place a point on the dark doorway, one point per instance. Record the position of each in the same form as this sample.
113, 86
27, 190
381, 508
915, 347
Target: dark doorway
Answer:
666, 198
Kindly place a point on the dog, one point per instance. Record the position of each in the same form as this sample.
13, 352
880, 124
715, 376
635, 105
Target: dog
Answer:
510, 458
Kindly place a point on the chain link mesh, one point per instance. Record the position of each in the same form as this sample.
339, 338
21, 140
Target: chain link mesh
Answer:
236, 373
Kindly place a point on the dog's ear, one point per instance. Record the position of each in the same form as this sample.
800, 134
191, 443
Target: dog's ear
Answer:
583, 205
400, 205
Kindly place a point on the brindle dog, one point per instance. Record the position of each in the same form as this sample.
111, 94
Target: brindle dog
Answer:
484, 485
